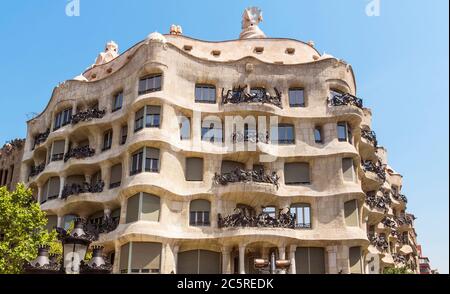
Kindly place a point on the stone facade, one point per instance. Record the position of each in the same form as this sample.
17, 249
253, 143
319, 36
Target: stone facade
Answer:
154, 150
10, 163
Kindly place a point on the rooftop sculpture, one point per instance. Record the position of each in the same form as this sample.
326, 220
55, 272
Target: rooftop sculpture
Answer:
250, 19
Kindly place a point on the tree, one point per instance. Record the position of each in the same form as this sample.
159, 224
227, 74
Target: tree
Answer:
396, 271
22, 229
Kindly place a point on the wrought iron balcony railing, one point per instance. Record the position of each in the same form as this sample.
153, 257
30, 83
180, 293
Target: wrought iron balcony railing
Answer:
379, 241
240, 95
246, 176
400, 197
369, 136
377, 168
398, 258
404, 219
108, 224
252, 137
36, 170
79, 153
41, 138
375, 201
263, 220
389, 223
345, 99
87, 115
75, 189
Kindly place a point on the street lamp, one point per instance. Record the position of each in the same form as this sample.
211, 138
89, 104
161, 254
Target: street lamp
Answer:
97, 264
273, 266
42, 264
75, 246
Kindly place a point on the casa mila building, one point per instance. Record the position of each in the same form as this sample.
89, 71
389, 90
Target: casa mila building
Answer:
245, 156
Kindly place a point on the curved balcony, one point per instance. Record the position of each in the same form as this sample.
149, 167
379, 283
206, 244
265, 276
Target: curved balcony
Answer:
246, 176
400, 197
36, 170
87, 115
76, 189
240, 219
79, 153
345, 99
41, 138
369, 136
107, 225
388, 223
379, 241
377, 204
404, 221
240, 95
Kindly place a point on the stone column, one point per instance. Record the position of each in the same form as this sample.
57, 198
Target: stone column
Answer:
226, 260
116, 266
241, 259
331, 260
292, 250
175, 250
343, 265
125, 167
66, 145
39, 196
62, 183
282, 255
106, 174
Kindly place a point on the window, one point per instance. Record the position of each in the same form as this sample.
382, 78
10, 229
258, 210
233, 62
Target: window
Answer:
107, 140
296, 173
118, 101
152, 117
143, 206
123, 134
302, 213
205, 94
199, 212
116, 176
355, 260
318, 138
270, 211
296, 97
198, 261
310, 260
140, 258
258, 92
194, 169
335, 92
150, 84
151, 163
282, 134
50, 190
348, 169
344, 132
212, 131
185, 128
351, 213
58, 150
62, 118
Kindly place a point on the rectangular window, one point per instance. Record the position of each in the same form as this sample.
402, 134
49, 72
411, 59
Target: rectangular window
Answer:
212, 132
53, 188
258, 92
342, 132
139, 119
194, 169
116, 176
296, 97
355, 260
118, 101
318, 138
123, 134
310, 260
58, 150
199, 218
302, 213
152, 160
150, 84
153, 116
205, 94
296, 173
136, 162
63, 118
270, 211
351, 213
107, 140
348, 169
285, 134
185, 128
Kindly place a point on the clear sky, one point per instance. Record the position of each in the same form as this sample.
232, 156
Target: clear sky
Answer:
400, 59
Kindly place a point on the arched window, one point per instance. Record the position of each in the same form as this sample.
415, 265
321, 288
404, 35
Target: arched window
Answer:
199, 213
143, 206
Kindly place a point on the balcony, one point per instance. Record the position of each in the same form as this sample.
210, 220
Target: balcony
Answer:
75, 189
240, 95
399, 259
377, 168
377, 202
370, 136
79, 153
87, 115
41, 138
345, 99
107, 225
240, 219
389, 223
404, 220
379, 241
36, 170
251, 137
400, 197
246, 176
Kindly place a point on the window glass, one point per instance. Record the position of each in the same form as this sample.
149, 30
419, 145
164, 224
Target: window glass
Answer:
318, 134
342, 131
150, 84
296, 98
205, 93
118, 101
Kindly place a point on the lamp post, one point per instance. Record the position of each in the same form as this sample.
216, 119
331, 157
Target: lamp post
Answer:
272, 266
43, 264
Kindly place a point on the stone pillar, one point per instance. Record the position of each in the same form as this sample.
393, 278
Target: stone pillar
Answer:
125, 167
66, 145
241, 259
116, 136
343, 265
62, 183
331, 260
292, 250
60, 221
226, 260
163, 268
282, 255
106, 174
39, 196
116, 266
175, 250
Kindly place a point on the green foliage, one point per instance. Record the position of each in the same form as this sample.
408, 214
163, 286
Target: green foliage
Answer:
22, 226
396, 271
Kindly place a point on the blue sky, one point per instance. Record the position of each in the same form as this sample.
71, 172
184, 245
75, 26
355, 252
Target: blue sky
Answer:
400, 59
